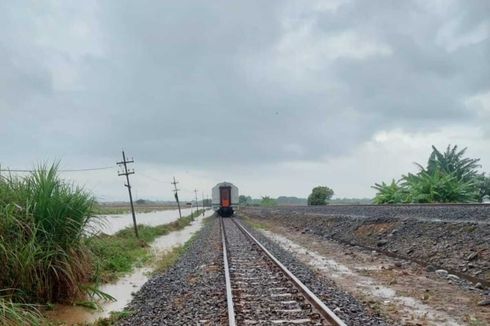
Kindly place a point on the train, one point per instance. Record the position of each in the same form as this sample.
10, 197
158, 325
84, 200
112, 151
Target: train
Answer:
225, 198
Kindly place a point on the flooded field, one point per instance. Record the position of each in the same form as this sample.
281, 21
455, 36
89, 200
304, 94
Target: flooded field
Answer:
123, 289
110, 224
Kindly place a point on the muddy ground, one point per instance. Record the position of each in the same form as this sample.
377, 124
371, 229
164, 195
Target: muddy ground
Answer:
449, 238
412, 293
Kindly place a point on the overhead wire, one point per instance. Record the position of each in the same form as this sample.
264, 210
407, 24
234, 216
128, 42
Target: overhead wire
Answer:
62, 170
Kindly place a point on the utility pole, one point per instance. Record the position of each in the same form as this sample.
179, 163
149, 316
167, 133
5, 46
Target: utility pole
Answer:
126, 172
202, 197
177, 196
197, 204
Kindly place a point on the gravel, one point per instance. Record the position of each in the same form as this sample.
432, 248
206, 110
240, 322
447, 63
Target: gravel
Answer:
192, 292
461, 212
345, 306
261, 292
189, 293
451, 237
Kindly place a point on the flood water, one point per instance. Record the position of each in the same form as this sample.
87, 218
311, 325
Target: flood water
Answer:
110, 224
123, 289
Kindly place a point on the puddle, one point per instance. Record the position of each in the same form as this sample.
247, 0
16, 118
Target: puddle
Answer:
409, 307
122, 290
110, 224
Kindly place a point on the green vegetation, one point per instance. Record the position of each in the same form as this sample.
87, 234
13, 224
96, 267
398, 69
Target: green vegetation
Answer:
47, 253
245, 200
320, 195
43, 223
268, 201
392, 193
164, 262
12, 314
291, 200
113, 318
255, 223
171, 257
42, 230
449, 177
117, 254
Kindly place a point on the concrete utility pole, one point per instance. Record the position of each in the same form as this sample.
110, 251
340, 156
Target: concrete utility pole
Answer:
197, 204
177, 196
126, 172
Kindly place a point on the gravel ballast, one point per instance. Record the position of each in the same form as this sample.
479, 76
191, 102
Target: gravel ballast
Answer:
345, 306
192, 292
189, 293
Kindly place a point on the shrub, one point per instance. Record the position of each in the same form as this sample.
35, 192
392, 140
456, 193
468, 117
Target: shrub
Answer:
448, 178
392, 193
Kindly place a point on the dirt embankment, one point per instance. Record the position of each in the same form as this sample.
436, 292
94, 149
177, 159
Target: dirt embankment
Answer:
456, 239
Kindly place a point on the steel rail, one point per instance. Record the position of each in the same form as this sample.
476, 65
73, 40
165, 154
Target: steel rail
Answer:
229, 294
310, 296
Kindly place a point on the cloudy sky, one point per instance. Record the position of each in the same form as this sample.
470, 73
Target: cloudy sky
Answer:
274, 96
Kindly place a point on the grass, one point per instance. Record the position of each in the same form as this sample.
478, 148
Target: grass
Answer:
254, 223
164, 263
47, 255
113, 318
42, 230
117, 254
171, 257
18, 314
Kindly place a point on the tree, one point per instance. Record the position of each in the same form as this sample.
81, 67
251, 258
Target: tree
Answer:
320, 195
244, 200
268, 201
484, 193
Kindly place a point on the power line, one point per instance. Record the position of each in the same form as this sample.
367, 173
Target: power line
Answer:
66, 170
153, 178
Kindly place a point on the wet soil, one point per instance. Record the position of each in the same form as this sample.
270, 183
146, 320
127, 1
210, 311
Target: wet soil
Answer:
401, 290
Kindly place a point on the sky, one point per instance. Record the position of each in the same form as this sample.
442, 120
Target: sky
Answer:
274, 96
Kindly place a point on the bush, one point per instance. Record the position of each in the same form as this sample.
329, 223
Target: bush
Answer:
268, 201
392, 193
448, 178
439, 187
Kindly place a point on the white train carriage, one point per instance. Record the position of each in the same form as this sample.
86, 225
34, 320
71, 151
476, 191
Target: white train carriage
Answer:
225, 198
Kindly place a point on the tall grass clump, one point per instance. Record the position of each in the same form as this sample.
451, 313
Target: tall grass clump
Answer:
43, 223
13, 314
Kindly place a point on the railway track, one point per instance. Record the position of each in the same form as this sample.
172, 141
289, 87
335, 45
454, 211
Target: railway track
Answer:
262, 291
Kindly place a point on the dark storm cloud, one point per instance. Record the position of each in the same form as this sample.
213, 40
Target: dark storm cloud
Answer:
268, 81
